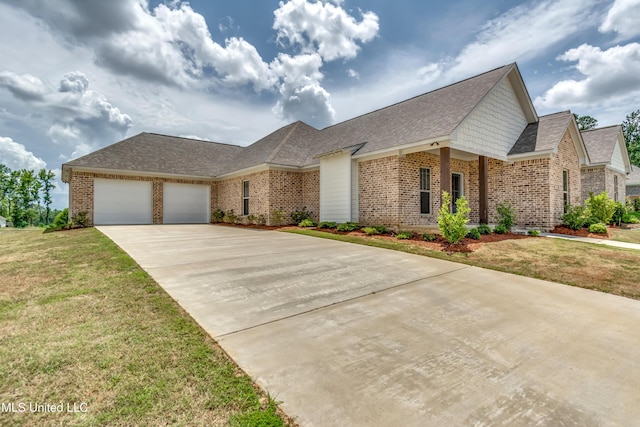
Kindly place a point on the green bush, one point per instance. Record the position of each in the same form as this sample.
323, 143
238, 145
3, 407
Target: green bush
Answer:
428, 237
534, 233
298, 216
230, 217
474, 234
484, 229
62, 218
348, 226
327, 224
630, 218
217, 216
506, 215
381, 229
404, 235
81, 219
500, 229
601, 207
370, 231
307, 223
618, 213
278, 217
599, 228
576, 217
261, 219
453, 225
636, 204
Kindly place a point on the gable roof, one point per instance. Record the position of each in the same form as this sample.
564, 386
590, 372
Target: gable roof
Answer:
287, 146
166, 155
634, 177
544, 135
601, 142
435, 114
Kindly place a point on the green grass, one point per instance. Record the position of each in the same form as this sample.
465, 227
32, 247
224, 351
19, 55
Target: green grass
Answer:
597, 267
80, 322
629, 236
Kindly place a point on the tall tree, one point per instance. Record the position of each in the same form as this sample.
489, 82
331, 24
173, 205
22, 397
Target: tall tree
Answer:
585, 122
46, 182
631, 132
5, 179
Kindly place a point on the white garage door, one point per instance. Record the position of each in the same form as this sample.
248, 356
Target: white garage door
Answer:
122, 202
186, 203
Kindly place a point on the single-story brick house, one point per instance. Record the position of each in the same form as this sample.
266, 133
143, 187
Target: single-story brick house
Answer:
480, 138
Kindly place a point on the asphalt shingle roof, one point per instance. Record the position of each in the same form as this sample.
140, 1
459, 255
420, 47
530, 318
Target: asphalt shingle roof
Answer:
634, 177
544, 135
150, 152
600, 143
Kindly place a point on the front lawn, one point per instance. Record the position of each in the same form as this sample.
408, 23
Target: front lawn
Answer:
598, 267
629, 236
82, 325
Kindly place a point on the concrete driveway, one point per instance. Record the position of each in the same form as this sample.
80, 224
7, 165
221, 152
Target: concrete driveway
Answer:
351, 335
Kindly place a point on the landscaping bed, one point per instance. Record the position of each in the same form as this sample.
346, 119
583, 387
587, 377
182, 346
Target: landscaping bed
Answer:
581, 232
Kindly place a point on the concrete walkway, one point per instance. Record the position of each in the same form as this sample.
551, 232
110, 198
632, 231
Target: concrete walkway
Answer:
605, 242
352, 335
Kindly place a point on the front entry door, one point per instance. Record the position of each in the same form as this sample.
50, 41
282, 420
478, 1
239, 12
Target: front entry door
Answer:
456, 190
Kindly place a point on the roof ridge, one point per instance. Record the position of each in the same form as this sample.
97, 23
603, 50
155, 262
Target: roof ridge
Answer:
191, 139
601, 128
294, 126
418, 96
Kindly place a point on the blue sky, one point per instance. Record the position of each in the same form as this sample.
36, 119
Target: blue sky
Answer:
77, 75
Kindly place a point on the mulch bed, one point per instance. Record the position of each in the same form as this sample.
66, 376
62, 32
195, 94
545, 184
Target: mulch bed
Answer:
583, 232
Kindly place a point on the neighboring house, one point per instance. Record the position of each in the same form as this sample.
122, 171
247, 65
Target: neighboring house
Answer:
480, 138
3, 221
633, 184
608, 165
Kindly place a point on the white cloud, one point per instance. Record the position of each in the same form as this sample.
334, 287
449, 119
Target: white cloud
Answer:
323, 27
608, 75
623, 18
353, 74
16, 156
25, 86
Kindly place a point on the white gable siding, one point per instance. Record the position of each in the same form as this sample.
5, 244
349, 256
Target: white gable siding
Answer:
354, 191
495, 125
335, 188
617, 161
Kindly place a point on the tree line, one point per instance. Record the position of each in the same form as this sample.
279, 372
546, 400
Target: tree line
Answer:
630, 130
25, 196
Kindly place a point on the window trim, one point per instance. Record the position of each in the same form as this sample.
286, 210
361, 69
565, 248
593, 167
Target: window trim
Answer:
615, 188
245, 197
565, 189
425, 190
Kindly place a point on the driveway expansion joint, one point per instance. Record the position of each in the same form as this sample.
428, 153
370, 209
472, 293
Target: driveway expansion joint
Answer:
333, 304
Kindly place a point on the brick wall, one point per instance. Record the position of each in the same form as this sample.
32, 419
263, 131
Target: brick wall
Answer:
229, 194
593, 181
81, 190
379, 192
311, 192
565, 159
285, 191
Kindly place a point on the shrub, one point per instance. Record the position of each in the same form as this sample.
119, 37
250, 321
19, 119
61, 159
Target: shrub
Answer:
404, 235
217, 216
307, 223
506, 215
484, 229
348, 226
278, 217
636, 204
534, 233
62, 218
80, 219
576, 217
261, 219
474, 234
630, 218
327, 224
381, 229
370, 231
601, 207
500, 229
428, 237
251, 218
230, 217
452, 225
619, 211
298, 216
598, 227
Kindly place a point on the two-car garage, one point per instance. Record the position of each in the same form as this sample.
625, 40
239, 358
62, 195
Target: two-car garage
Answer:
119, 201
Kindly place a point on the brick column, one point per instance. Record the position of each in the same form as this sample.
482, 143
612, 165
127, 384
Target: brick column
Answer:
158, 202
445, 172
483, 166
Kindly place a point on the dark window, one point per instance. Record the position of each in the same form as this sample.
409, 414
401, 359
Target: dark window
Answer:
245, 198
456, 190
425, 190
565, 189
615, 188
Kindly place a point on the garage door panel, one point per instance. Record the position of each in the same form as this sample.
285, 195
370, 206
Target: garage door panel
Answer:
122, 202
186, 203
